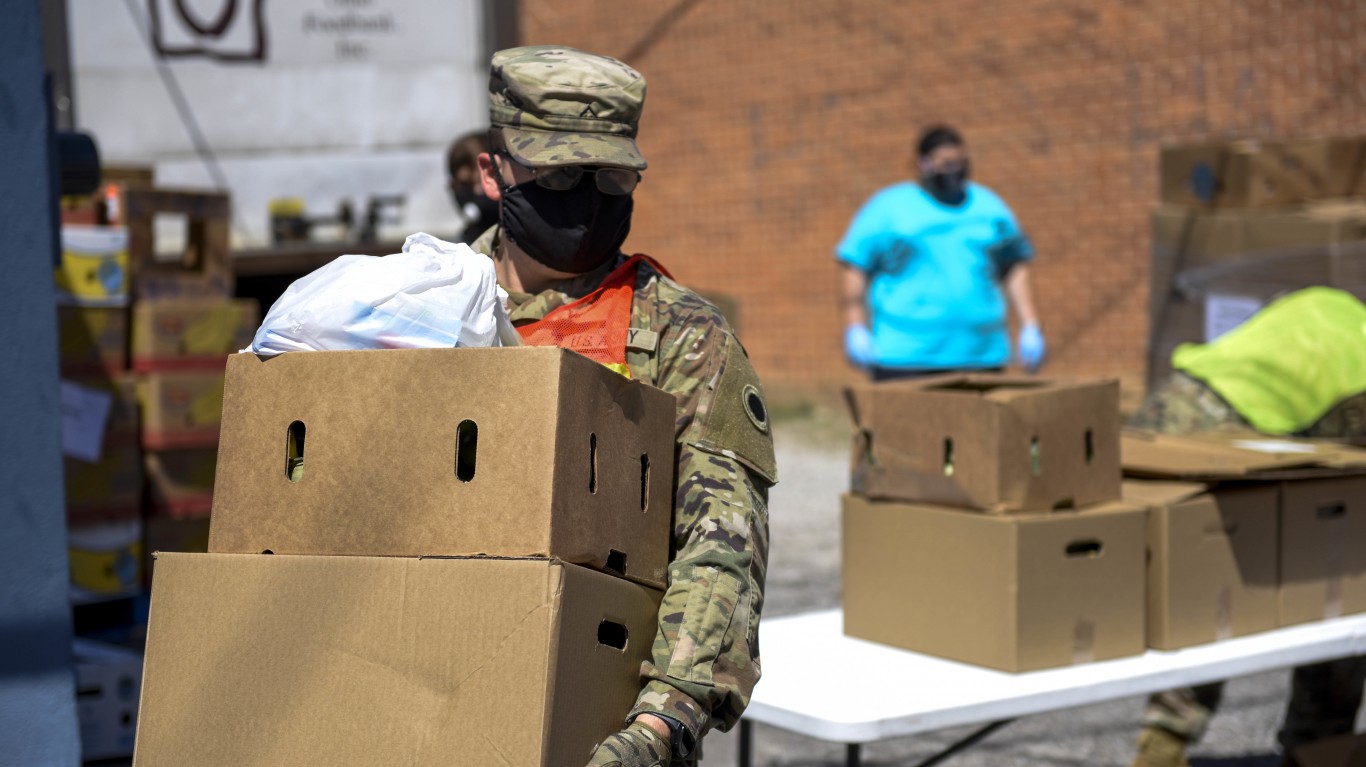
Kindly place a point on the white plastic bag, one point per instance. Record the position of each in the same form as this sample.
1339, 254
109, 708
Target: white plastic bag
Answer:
434, 294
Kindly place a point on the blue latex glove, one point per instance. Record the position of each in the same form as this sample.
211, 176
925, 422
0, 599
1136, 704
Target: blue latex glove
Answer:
1031, 347
859, 346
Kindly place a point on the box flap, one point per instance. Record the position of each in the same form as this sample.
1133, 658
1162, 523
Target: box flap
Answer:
1146, 454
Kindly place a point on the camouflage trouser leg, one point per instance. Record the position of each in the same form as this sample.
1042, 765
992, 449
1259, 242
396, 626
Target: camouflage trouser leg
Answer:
1182, 405
1185, 712
1324, 699
1345, 421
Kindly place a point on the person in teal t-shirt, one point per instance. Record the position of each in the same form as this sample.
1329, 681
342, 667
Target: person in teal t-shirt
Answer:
923, 268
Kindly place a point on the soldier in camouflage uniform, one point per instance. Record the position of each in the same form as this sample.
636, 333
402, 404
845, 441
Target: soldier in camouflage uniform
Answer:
554, 108
1325, 696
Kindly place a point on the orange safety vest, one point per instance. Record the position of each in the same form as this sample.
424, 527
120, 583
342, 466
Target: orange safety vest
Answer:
597, 325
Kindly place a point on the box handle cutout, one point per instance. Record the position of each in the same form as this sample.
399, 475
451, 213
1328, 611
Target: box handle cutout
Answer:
1332, 511
593, 463
1090, 447
948, 456
294, 451
1035, 457
1065, 504
612, 634
644, 482
616, 562
864, 440
466, 449
1089, 549
267, 551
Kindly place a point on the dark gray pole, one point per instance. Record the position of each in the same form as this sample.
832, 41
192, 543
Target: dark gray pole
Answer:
37, 692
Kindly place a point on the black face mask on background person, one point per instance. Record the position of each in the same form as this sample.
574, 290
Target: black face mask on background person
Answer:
573, 231
949, 187
476, 209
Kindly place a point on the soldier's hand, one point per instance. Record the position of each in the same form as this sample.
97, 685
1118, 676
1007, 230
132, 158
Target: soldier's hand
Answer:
635, 746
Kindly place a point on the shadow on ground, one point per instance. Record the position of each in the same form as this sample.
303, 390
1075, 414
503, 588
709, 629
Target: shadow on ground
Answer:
1255, 760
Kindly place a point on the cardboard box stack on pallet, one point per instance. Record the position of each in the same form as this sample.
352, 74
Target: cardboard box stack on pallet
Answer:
1247, 533
1242, 222
184, 324
984, 523
432, 556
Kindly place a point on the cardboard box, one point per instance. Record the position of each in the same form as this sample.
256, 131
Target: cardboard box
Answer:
101, 458
181, 409
284, 660
1214, 457
1212, 560
1252, 173
203, 268
105, 560
1016, 593
996, 443
509, 452
94, 269
92, 339
1323, 549
187, 334
108, 683
180, 482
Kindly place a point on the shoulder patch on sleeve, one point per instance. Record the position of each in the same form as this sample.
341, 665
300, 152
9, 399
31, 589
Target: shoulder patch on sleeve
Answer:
736, 421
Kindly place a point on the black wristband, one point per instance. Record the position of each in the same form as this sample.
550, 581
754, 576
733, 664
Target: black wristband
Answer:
680, 740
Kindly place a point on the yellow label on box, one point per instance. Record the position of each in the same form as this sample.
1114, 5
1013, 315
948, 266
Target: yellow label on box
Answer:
213, 332
94, 270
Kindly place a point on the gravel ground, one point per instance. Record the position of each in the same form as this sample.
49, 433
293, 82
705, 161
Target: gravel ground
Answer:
804, 575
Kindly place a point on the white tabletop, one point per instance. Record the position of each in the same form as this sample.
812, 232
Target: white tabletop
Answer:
818, 682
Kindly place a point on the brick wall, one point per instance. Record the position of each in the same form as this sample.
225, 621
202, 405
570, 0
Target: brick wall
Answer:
768, 124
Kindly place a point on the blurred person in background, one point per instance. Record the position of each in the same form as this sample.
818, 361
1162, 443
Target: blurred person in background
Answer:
1297, 367
462, 177
563, 166
924, 264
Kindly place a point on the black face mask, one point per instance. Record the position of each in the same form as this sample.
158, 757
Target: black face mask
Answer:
949, 187
478, 210
573, 231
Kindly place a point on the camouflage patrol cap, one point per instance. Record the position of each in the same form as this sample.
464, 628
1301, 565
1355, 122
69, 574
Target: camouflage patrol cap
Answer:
561, 106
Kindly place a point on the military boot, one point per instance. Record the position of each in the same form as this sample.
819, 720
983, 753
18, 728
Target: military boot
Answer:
1160, 748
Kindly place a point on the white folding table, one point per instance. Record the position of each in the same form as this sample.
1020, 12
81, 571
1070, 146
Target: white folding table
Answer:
819, 683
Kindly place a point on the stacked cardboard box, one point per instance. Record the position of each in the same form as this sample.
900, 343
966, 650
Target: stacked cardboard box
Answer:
183, 325
179, 348
983, 523
102, 463
437, 556
1243, 222
1247, 533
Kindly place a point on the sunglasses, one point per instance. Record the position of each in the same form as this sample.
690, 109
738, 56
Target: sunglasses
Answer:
614, 181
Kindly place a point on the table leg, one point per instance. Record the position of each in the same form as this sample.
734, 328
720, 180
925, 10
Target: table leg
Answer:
964, 744
853, 755
746, 743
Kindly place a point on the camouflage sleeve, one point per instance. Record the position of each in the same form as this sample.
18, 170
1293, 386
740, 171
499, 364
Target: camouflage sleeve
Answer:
706, 653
